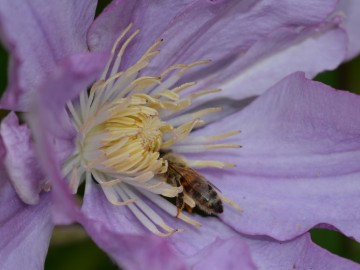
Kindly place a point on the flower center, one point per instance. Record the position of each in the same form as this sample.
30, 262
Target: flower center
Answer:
123, 124
151, 135
133, 138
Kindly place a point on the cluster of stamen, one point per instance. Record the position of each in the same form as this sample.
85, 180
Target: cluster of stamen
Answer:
123, 123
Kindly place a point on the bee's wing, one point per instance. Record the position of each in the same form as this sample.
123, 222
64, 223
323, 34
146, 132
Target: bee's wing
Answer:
190, 174
214, 187
187, 174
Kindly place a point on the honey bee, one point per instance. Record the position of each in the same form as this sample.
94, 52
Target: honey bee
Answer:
194, 185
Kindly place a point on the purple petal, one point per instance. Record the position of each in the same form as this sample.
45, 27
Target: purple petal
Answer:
98, 208
299, 163
225, 31
283, 52
72, 76
230, 253
20, 160
202, 248
275, 47
351, 8
25, 230
150, 16
134, 251
38, 35
113, 228
116, 230
300, 253
212, 246
48, 118
266, 253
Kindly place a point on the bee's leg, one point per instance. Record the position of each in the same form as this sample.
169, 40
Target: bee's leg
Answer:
179, 203
188, 208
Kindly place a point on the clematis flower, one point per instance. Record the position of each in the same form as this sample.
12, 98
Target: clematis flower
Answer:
144, 104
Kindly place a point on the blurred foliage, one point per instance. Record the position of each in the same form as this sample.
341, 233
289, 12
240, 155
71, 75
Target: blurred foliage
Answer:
74, 250
79, 252
345, 77
3, 69
101, 5
337, 243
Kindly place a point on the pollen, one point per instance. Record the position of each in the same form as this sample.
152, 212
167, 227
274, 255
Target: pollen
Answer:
124, 123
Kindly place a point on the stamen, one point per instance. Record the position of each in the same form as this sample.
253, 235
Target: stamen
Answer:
121, 52
204, 92
111, 183
175, 77
207, 139
171, 68
183, 86
209, 164
157, 188
141, 82
199, 63
144, 60
152, 217
201, 148
126, 30
75, 180
112, 198
97, 86
169, 208
70, 163
230, 202
191, 116
93, 104
181, 132
189, 201
96, 161
118, 145
83, 100
74, 115
168, 94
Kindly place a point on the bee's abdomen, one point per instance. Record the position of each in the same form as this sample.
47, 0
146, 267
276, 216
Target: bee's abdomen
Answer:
206, 197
